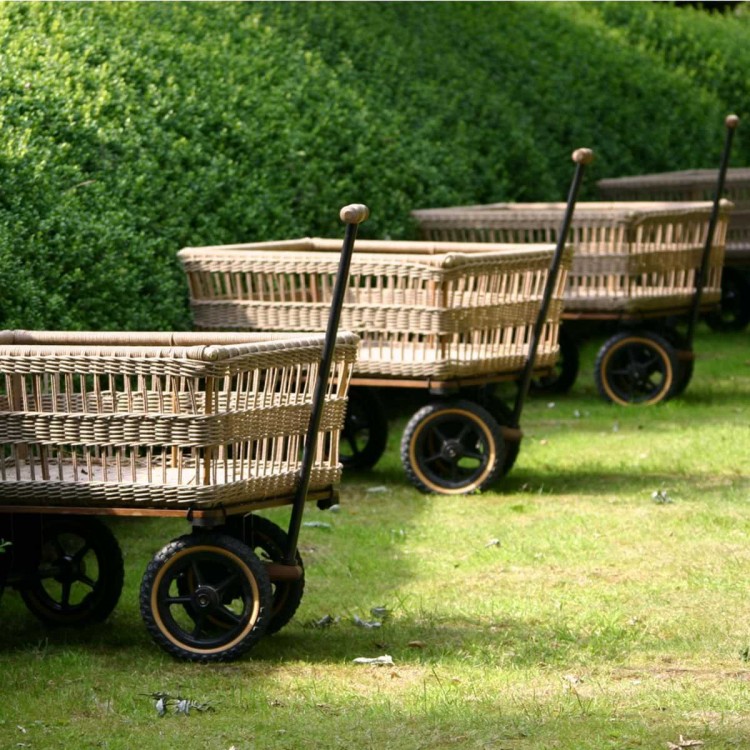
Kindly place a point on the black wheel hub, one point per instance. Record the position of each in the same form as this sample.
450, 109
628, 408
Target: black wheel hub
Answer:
205, 598
451, 450
638, 373
69, 570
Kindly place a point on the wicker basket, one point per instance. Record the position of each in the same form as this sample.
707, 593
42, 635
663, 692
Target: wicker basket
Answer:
422, 310
159, 419
693, 185
629, 257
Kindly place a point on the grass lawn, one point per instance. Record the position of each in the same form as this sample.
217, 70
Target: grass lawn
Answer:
596, 598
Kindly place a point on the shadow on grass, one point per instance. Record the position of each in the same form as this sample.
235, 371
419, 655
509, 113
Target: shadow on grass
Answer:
337, 560
506, 642
591, 483
410, 639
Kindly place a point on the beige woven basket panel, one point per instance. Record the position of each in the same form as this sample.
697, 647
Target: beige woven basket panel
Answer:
633, 257
693, 185
422, 310
159, 420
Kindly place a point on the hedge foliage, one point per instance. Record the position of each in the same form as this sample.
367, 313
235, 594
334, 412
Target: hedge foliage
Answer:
133, 129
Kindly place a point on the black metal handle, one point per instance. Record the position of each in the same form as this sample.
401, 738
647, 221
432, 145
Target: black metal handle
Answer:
731, 122
352, 215
582, 157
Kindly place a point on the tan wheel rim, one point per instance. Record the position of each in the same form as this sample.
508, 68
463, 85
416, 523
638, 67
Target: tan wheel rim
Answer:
153, 601
437, 488
668, 372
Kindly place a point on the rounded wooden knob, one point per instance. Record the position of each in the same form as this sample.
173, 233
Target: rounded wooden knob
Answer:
583, 156
355, 213
732, 121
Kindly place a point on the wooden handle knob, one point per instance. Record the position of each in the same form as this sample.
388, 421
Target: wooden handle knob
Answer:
355, 213
732, 121
583, 156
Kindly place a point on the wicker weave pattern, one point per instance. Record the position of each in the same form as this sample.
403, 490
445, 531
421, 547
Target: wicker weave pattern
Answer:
692, 185
140, 420
629, 257
422, 310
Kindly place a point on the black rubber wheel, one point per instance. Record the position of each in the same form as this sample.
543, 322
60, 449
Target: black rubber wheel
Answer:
452, 449
565, 372
79, 575
684, 359
205, 597
365, 432
734, 311
269, 542
635, 368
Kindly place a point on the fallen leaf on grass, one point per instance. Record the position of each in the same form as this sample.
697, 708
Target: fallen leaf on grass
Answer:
368, 624
377, 660
161, 707
572, 679
416, 644
661, 497
324, 622
163, 701
683, 742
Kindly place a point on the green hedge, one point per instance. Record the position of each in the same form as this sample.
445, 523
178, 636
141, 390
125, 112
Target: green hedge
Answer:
133, 129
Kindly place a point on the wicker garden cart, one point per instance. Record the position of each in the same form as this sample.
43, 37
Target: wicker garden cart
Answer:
209, 427
699, 184
447, 318
637, 266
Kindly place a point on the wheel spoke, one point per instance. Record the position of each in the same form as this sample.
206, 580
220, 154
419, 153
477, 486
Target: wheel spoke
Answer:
57, 543
47, 572
475, 455
180, 599
200, 621
231, 578
65, 596
465, 430
629, 388
196, 572
439, 435
351, 441
83, 578
229, 615
432, 458
651, 361
85, 549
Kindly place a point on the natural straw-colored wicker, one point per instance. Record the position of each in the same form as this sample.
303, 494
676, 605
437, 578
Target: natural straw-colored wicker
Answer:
422, 310
692, 185
158, 419
628, 258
